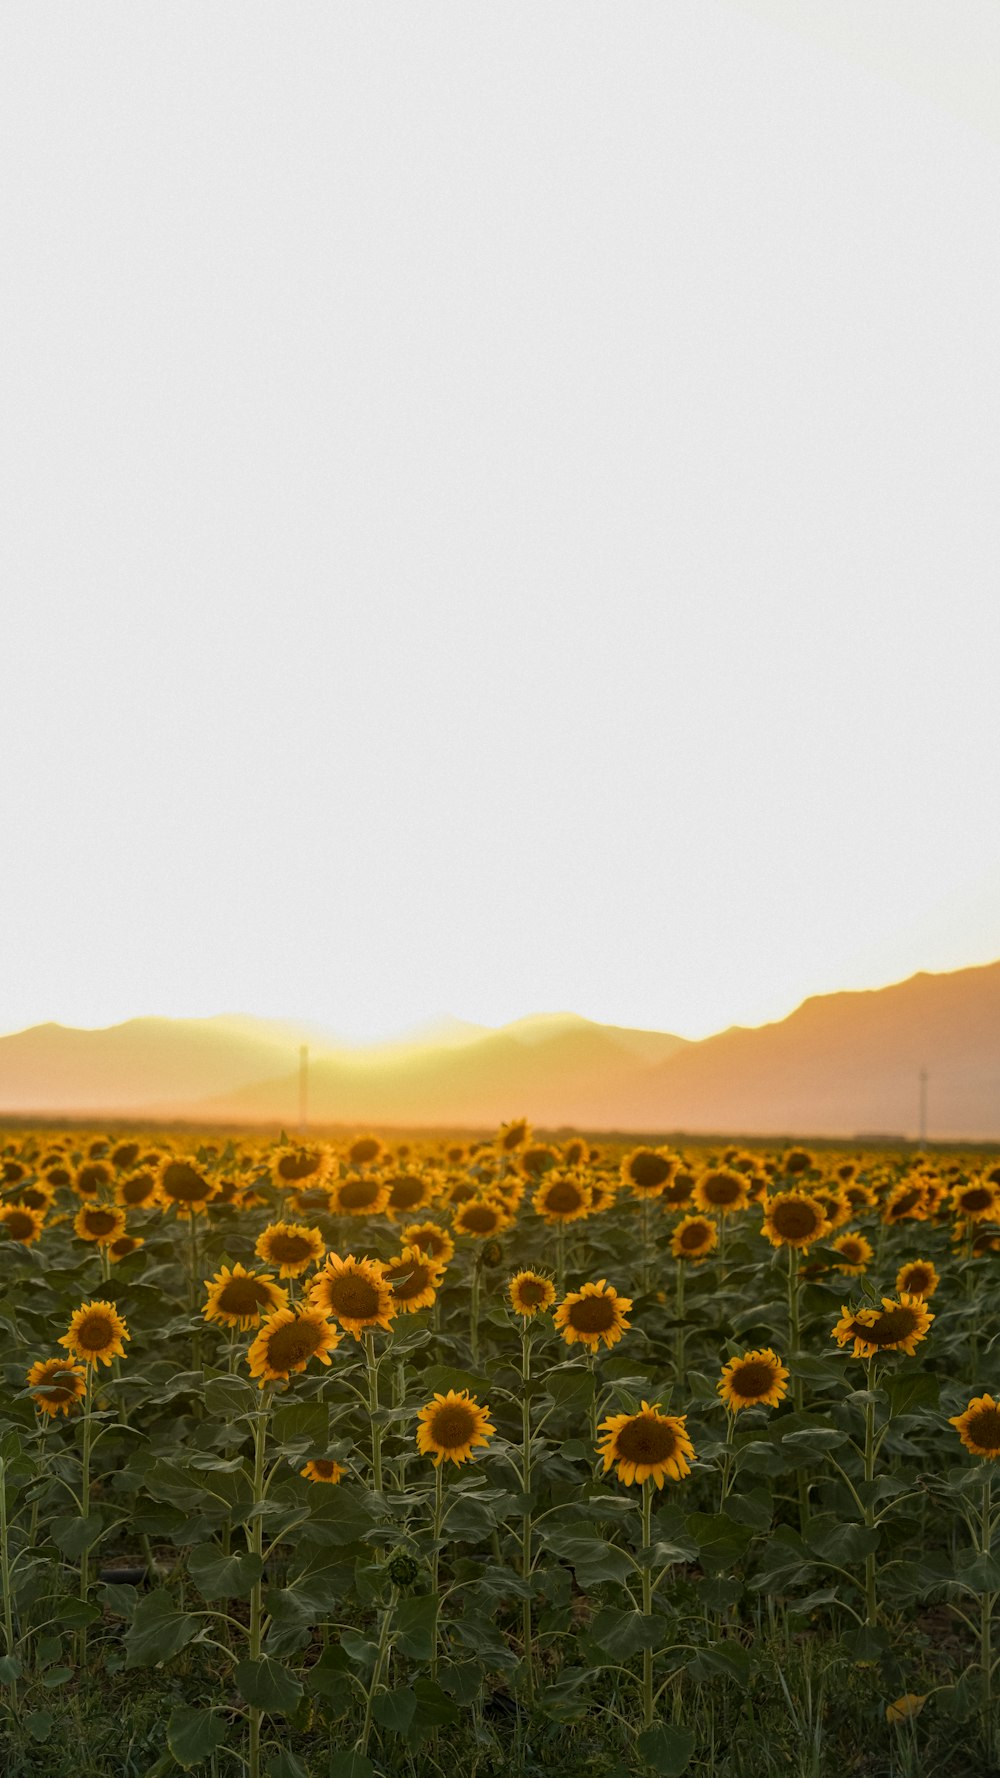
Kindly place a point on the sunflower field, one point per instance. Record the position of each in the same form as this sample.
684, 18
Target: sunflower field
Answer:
365, 1457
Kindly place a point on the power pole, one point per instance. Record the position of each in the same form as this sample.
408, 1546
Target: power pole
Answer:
923, 1108
303, 1087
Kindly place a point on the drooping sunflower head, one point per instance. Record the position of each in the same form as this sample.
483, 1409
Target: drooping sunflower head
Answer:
101, 1223
647, 1171
833, 1203
482, 1218
794, 1219
323, 1469
603, 1191
451, 1425
918, 1278
562, 1197
896, 1327
124, 1247
721, 1191
409, 1192
860, 1197
977, 1200
510, 1137
576, 1152
290, 1246
647, 1446
137, 1190
92, 1178
595, 1316
57, 1385
978, 1427
37, 1196
905, 1202
755, 1380
360, 1194
124, 1155
287, 1340
364, 1151
311, 1200
530, 1292
415, 1279
305, 1165
537, 1159
431, 1238
19, 1222
694, 1238
96, 1334
183, 1185
238, 1298
355, 1292
857, 1252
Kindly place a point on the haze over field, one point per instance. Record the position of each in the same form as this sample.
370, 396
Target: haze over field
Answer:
841, 1065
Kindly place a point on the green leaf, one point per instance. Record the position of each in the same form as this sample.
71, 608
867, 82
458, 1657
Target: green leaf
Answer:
722, 1660
268, 1685
833, 1541
434, 1709
73, 1613
224, 1577
755, 1508
10, 1669
622, 1634
75, 1536
226, 1398
414, 1622
813, 1444
667, 1747
305, 1423
326, 1676
55, 1677
159, 1630
395, 1710
350, 1764
721, 1543
439, 1378
194, 1734
39, 1724
912, 1390
286, 1764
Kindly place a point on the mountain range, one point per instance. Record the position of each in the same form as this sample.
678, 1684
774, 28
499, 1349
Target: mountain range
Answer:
841, 1065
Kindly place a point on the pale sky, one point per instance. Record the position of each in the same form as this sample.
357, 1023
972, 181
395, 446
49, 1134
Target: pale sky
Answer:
501, 507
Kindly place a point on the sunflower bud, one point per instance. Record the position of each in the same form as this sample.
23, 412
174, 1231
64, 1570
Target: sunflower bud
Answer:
402, 1569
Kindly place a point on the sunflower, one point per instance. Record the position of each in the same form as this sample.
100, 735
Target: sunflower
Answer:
136, 1190
482, 1217
593, 1315
859, 1196
409, 1192
124, 1246
57, 1384
793, 1219
896, 1327
430, 1238
355, 1292
323, 1469
720, 1191
905, 1203
125, 1155
37, 1196
576, 1153
300, 1166
560, 1199
510, 1137
22, 1223
450, 1425
415, 1278
677, 1193
364, 1151
95, 1334
647, 1446
290, 1246
12, 1171
833, 1203
976, 1201
57, 1174
238, 1298
312, 1200
181, 1183
538, 1158
694, 1238
92, 1178
979, 1426
918, 1278
798, 1160
647, 1170
529, 1292
857, 1252
757, 1380
603, 1192
286, 1342
360, 1194
102, 1223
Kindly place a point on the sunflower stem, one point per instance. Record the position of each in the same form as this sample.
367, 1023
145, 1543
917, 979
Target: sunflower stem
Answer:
372, 1364
8, 1598
376, 1680
561, 1258
986, 1605
88, 1403
681, 1332
193, 1288
727, 1459
474, 1312
255, 1542
526, 1515
871, 1599
647, 1268
647, 1601
435, 1559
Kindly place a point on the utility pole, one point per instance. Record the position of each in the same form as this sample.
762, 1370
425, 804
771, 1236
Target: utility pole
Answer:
303, 1087
923, 1108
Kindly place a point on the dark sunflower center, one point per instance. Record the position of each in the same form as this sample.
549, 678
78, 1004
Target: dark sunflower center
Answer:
512, 1138
480, 1219
243, 1296
59, 1176
349, 1294
95, 1332
90, 1179
357, 1194
360, 1153
182, 1182
592, 1314
101, 1222
532, 1291
648, 1170
752, 1380
20, 1224
287, 1249
677, 1192
721, 1188
983, 1427
906, 1201
408, 1279
892, 1325
851, 1250
298, 1166
407, 1190
976, 1198
12, 1172
58, 1387
325, 1467
644, 1440
564, 1195
797, 1162
694, 1236
126, 1154
452, 1426
137, 1189
291, 1343
918, 1279
33, 1197
795, 1220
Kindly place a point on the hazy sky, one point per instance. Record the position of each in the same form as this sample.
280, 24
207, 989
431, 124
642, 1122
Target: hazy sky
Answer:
501, 506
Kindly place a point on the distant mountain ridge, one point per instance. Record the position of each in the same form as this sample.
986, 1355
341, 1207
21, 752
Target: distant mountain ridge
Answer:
838, 1065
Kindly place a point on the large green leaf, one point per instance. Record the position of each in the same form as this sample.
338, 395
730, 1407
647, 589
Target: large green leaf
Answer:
268, 1685
218, 1576
192, 1735
667, 1747
414, 1622
159, 1630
